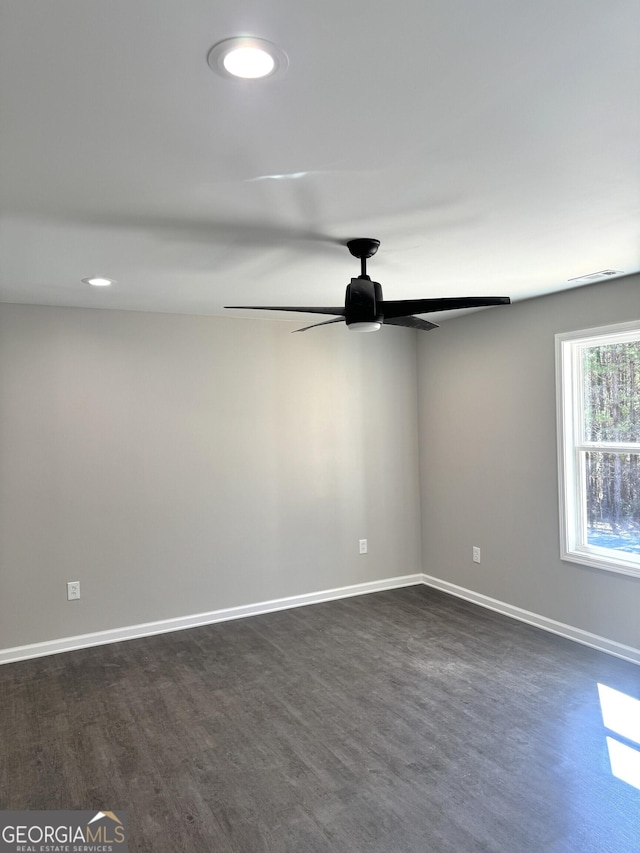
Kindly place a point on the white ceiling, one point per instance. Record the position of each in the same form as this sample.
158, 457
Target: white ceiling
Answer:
492, 147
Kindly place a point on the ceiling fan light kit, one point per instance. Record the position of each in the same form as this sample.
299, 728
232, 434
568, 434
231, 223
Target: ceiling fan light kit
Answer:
361, 326
365, 310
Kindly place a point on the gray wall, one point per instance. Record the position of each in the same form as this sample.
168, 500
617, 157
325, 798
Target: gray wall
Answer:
176, 465
487, 410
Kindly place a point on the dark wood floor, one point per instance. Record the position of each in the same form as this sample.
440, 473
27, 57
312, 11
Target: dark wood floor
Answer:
400, 722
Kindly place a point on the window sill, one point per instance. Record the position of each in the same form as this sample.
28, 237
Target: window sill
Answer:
602, 560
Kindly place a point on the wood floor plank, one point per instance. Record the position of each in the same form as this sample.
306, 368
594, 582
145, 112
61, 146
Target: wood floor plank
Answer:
399, 722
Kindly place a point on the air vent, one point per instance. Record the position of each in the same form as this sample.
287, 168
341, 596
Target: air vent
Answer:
600, 274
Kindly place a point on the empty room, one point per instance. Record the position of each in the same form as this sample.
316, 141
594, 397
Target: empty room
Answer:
319, 427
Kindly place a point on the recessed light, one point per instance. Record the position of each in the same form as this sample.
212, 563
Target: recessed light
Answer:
98, 282
247, 58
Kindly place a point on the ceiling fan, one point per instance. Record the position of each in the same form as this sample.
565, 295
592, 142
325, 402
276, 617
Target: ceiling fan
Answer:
364, 308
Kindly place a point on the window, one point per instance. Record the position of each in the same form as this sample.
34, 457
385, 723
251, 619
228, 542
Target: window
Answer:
599, 446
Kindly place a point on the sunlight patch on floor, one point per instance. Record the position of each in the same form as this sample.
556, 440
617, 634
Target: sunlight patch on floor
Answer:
621, 715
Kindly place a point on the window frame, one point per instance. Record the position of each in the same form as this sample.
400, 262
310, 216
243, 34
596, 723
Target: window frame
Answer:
570, 417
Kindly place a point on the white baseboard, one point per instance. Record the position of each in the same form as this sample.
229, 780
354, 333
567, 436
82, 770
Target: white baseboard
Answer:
148, 629
602, 644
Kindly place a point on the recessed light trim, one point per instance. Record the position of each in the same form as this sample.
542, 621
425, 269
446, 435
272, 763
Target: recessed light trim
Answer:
247, 58
98, 281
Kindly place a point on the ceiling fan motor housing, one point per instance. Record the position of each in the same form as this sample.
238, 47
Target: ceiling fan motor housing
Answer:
363, 304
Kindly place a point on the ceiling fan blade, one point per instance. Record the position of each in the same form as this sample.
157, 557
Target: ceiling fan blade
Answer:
314, 325
308, 310
404, 307
411, 323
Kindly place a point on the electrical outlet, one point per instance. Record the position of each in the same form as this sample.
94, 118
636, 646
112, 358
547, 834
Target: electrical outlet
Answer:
363, 546
73, 590
476, 554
